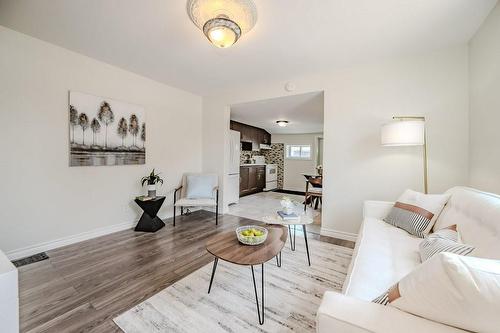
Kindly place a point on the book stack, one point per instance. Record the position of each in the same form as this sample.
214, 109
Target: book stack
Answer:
287, 217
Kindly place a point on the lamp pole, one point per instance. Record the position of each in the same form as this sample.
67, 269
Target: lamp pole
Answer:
426, 187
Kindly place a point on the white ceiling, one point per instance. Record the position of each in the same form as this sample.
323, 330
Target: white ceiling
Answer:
156, 38
304, 113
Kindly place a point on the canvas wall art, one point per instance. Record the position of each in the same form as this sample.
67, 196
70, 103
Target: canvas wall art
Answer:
104, 131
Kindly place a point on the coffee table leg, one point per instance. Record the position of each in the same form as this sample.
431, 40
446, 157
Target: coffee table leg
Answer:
261, 318
278, 259
307, 245
213, 274
292, 240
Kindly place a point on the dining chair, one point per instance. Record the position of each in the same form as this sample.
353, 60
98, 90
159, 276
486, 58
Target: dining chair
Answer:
314, 192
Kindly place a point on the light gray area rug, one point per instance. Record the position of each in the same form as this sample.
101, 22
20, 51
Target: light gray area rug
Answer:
292, 295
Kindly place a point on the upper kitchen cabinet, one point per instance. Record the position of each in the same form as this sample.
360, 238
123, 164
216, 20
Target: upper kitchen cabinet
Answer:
255, 135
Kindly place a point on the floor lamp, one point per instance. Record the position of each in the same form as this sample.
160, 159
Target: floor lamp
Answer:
407, 131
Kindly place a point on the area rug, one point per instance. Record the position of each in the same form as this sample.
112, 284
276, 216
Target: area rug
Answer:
292, 295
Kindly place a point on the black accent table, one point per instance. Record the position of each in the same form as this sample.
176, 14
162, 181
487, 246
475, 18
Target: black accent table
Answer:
149, 222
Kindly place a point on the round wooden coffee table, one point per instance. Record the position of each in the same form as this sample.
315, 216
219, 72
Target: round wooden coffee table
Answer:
226, 247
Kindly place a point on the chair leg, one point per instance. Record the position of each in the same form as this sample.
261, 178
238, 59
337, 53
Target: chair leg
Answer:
182, 210
174, 215
217, 208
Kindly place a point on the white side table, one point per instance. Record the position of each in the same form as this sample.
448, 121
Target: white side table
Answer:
303, 220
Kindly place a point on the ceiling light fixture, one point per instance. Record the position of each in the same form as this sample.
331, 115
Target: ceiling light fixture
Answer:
282, 123
223, 21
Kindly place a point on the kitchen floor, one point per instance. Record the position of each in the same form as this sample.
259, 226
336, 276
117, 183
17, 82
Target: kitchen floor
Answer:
256, 206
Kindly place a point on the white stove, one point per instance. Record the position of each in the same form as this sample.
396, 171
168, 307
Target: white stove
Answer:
271, 177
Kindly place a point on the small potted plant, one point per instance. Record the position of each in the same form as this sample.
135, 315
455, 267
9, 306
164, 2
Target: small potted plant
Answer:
152, 179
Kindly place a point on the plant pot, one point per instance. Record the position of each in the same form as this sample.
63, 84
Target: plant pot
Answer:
152, 190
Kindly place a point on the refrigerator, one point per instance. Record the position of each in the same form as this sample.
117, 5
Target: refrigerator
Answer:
233, 177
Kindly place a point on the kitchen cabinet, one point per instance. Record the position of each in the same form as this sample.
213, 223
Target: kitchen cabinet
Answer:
252, 179
244, 189
261, 178
255, 135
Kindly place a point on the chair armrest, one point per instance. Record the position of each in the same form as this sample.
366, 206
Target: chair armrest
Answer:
377, 209
341, 313
175, 193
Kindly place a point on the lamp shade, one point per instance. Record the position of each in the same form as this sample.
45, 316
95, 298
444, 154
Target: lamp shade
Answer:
403, 133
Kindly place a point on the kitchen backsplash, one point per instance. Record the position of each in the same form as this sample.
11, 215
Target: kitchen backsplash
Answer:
251, 153
275, 155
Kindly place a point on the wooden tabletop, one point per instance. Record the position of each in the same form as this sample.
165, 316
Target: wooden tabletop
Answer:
226, 246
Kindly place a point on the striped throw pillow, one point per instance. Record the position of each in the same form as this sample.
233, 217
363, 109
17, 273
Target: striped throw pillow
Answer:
413, 219
444, 240
389, 296
382, 299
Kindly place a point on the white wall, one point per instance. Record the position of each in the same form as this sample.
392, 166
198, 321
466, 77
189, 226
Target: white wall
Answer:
42, 199
292, 174
357, 102
484, 53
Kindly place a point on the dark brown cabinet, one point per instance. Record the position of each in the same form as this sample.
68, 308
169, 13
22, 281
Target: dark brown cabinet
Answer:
261, 178
252, 179
244, 189
255, 135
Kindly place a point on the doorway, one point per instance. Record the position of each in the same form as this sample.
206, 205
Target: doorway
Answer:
277, 147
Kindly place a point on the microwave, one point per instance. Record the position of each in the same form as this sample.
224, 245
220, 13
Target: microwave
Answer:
246, 146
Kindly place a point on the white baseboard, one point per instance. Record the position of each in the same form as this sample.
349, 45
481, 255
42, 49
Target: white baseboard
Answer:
54, 244
50, 245
339, 234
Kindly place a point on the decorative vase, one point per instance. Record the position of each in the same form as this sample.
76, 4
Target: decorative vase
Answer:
152, 190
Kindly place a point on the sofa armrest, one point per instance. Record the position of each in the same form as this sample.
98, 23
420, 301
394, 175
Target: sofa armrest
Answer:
341, 313
376, 209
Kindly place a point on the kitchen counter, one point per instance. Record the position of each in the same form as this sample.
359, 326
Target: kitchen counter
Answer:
252, 164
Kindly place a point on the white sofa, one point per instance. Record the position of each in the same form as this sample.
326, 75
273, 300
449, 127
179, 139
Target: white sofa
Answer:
384, 254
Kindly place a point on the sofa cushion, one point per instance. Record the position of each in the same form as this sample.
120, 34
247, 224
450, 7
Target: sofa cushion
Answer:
436, 290
384, 250
477, 216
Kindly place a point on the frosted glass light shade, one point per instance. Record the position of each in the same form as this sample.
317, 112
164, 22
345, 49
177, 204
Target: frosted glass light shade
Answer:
222, 32
223, 21
403, 133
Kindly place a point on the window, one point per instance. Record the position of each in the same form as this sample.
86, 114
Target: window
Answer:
298, 152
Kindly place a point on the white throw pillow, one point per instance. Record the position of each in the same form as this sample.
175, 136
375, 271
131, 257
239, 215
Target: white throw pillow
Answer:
455, 290
200, 186
417, 212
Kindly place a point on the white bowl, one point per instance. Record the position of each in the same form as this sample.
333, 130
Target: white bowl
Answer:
251, 240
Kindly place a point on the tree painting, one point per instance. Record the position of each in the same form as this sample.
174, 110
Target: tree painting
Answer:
106, 116
96, 128
143, 134
122, 129
117, 129
133, 128
83, 121
73, 121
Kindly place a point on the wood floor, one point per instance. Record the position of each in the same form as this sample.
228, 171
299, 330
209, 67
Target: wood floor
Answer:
82, 287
